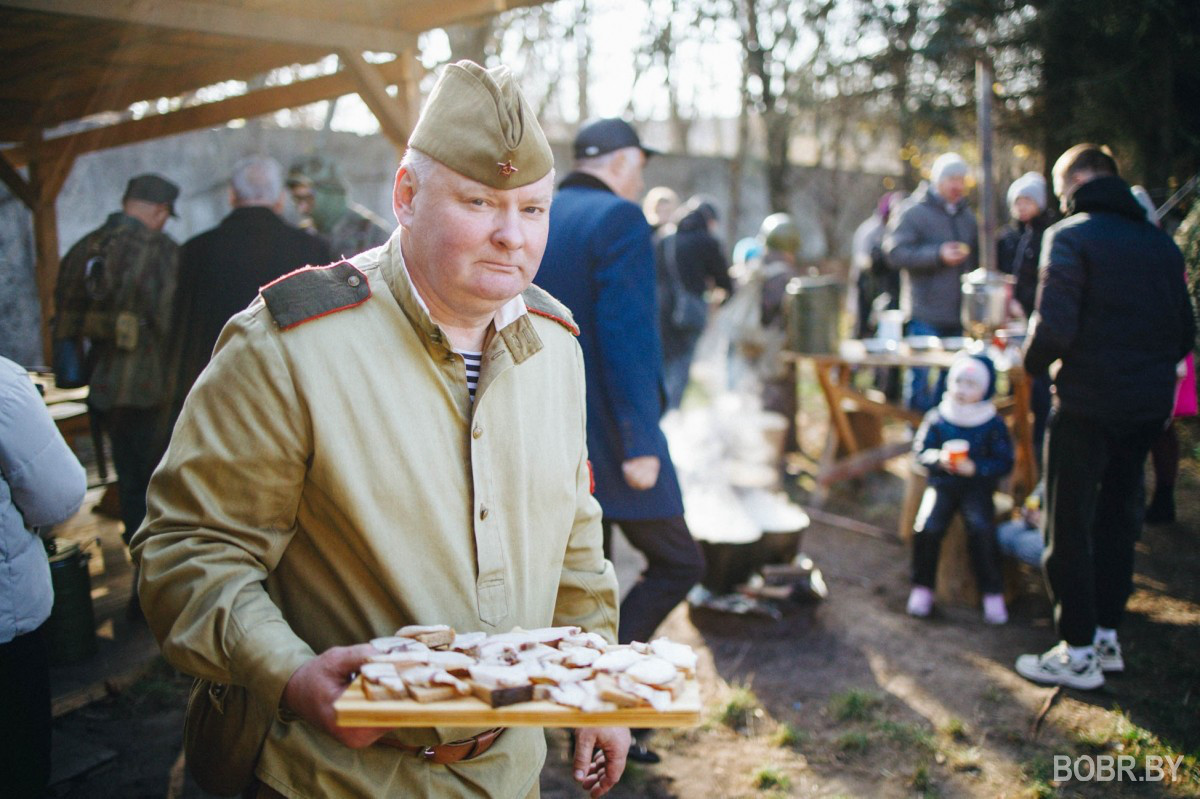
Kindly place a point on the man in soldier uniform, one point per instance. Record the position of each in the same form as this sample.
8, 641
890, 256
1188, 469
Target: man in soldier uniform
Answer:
336, 473
319, 194
116, 287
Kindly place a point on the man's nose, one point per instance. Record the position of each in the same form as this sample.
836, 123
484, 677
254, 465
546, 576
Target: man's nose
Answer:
508, 233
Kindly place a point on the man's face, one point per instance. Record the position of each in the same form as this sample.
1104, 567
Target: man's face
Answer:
303, 198
471, 248
1024, 209
952, 189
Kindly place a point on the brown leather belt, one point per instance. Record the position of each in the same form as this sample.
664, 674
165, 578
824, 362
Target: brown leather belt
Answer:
452, 751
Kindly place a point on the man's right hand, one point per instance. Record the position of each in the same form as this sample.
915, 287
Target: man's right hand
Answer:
953, 253
315, 686
641, 473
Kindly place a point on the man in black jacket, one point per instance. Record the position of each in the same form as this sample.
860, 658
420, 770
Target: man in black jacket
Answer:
222, 269
1113, 308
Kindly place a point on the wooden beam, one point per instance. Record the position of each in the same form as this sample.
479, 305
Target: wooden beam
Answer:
17, 184
201, 17
421, 15
263, 101
372, 88
110, 93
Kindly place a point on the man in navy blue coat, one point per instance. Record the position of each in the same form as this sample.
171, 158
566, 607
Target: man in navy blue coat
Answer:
599, 261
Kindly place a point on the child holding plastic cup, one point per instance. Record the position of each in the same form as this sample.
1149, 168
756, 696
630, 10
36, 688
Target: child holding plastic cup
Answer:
966, 447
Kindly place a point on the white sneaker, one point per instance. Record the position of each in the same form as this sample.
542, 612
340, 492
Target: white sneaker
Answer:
920, 601
994, 611
1109, 655
1057, 667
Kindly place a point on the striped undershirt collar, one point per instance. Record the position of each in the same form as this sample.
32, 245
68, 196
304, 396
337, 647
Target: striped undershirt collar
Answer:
472, 361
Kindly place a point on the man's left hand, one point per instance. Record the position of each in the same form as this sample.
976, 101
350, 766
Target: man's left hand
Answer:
641, 473
600, 754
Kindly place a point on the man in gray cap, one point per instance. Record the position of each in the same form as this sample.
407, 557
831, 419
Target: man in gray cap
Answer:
391, 440
319, 194
116, 289
600, 262
933, 240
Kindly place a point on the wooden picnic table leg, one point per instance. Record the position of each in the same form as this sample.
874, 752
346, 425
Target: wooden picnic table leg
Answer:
841, 422
1024, 466
839, 430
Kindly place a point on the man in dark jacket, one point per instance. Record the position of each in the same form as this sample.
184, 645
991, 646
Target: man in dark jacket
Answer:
600, 263
932, 240
222, 269
1113, 308
689, 259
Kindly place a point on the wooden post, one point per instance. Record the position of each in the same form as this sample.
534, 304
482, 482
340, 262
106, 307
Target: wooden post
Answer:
987, 197
46, 180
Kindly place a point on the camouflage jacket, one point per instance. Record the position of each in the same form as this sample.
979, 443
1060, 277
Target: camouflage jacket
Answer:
116, 287
358, 230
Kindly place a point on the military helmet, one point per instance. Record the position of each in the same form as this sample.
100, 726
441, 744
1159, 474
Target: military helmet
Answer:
317, 173
779, 233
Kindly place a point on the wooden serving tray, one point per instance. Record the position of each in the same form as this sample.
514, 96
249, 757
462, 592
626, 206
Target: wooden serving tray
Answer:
353, 709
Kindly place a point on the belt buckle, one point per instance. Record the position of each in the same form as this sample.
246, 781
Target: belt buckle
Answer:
428, 753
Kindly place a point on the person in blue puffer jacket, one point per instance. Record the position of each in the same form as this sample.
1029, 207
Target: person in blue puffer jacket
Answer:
965, 418
41, 483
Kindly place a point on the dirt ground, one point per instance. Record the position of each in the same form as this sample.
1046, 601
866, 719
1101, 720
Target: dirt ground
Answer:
849, 697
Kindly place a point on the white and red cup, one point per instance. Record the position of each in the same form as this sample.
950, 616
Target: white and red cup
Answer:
956, 450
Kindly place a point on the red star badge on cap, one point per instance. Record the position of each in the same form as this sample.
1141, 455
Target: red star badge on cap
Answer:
507, 168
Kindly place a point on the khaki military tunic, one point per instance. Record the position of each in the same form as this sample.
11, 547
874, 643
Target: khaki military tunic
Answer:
332, 481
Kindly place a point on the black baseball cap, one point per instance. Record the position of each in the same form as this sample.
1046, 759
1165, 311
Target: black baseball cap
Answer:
605, 135
152, 189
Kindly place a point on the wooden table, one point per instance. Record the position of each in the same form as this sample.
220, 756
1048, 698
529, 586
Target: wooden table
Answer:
846, 456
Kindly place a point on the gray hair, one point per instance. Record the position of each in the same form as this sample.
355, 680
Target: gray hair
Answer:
417, 164
257, 180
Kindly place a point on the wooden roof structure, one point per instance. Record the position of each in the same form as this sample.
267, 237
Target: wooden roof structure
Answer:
67, 61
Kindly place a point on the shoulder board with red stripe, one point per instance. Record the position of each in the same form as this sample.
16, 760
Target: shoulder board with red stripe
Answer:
540, 302
314, 291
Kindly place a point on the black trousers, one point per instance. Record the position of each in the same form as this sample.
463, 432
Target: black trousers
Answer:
139, 439
674, 563
1094, 471
973, 498
25, 716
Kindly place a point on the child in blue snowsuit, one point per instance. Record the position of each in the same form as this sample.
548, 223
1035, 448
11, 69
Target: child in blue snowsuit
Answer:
965, 413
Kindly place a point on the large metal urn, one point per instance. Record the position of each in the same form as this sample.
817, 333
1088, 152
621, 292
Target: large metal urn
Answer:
985, 302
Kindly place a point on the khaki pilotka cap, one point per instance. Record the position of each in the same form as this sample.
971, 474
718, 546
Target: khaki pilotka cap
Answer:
476, 122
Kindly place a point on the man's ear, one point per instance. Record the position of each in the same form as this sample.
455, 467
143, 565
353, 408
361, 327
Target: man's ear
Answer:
404, 193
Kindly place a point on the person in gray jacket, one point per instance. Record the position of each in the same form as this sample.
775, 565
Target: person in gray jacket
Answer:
41, 483
933, 241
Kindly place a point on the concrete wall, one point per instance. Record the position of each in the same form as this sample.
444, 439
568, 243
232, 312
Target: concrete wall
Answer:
200, 162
